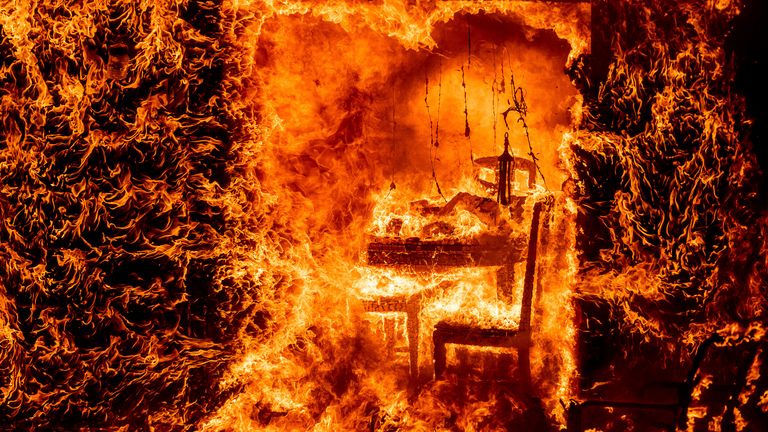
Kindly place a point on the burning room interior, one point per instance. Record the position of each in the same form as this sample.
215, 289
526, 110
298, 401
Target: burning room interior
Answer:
383, 215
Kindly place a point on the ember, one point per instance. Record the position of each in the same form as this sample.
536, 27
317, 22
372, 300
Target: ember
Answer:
384, 216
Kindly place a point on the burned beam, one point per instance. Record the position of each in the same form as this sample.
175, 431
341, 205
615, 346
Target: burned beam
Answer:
421, 253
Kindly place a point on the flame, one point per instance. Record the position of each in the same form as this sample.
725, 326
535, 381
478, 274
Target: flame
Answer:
330, 158
187, 191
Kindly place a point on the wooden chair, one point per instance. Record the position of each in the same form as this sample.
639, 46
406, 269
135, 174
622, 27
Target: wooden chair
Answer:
410, 306
519, 338
432, 256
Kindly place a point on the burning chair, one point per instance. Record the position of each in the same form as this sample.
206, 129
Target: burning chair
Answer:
410, 306
433, 255
519, 338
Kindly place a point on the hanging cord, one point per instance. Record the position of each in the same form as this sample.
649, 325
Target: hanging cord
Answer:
439, 100
493, 98
433, 139
469, 45
392, 148
511, 163
518, 105
429, 115
502, 86
437, 128
392, 144
467, 131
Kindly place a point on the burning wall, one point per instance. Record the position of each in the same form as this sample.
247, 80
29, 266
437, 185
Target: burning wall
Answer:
177, 178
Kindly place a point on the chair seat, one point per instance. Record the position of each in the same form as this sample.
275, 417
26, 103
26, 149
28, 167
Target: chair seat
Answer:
463, 334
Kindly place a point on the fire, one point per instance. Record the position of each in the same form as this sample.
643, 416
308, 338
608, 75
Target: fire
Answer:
393, 215
343, 152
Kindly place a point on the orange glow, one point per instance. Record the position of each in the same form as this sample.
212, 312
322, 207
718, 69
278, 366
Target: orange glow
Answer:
352, 97
296, 215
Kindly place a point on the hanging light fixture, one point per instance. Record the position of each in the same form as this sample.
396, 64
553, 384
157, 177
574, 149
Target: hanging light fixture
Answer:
505, 174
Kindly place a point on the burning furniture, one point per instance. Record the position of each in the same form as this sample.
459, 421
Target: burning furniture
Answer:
519, 338
495, 249
409, 305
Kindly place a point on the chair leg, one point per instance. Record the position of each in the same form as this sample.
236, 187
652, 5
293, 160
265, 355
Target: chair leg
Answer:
412, 313
389, 332
505, 283
524, 366
440, 353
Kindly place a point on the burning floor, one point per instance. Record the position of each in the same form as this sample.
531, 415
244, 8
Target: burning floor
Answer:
382, 216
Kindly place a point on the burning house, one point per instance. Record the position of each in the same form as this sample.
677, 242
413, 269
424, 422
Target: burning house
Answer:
383, 216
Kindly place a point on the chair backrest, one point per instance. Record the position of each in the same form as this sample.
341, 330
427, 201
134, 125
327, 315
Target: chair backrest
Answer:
530, 270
